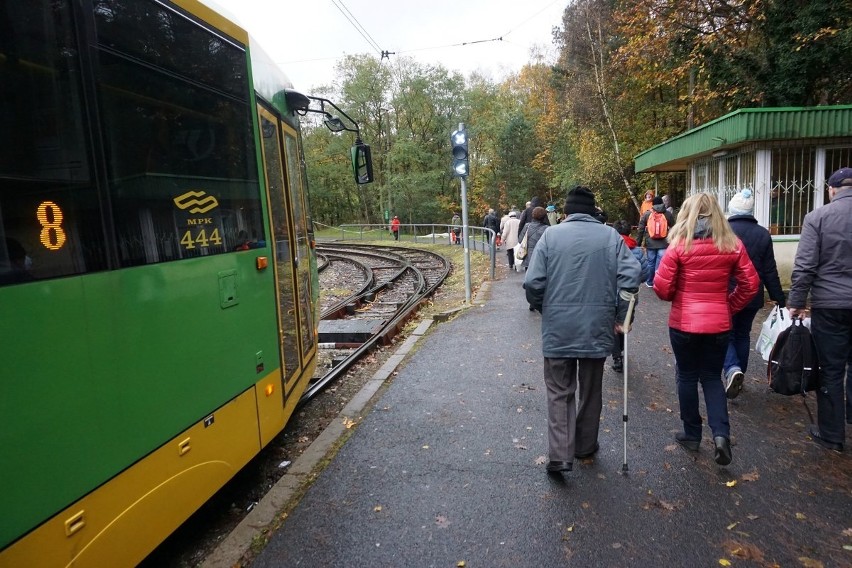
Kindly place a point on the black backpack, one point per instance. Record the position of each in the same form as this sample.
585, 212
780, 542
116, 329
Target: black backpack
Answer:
793, 362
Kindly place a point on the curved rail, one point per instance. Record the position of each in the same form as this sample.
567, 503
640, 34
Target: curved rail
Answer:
437, 268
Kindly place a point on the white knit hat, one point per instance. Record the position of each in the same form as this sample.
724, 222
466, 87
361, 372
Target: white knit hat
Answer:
742, 203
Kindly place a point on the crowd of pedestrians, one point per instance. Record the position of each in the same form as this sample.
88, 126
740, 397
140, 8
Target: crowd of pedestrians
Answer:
715, 268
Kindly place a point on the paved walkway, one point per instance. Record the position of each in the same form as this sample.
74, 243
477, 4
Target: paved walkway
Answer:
448, 467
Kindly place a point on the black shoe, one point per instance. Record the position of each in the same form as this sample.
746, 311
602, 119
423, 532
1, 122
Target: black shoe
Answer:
587, 455
723, 450
617, 364
688, 443
816, 436
559, 466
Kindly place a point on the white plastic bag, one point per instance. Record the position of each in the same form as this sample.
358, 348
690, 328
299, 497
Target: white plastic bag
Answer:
519, 260
777, 321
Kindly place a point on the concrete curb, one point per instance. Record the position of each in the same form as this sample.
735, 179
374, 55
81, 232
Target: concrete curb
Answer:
240, 540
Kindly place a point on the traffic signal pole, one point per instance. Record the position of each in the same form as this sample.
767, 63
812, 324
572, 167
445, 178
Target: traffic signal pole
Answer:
461, 167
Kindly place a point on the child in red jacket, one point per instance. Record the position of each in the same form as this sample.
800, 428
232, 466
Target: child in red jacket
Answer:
623, 228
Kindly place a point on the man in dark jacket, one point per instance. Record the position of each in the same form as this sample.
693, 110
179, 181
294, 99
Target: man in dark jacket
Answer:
576, 272
526, 216
492, 221
654, 245
823, 269
758, 244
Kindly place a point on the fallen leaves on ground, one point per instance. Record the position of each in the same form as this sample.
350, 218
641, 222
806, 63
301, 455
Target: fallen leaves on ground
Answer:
745, 551
659, 504
751, 476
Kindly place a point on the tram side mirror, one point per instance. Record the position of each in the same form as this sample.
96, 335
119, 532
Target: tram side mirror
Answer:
362, 163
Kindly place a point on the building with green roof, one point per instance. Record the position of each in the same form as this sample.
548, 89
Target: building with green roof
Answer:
784, 155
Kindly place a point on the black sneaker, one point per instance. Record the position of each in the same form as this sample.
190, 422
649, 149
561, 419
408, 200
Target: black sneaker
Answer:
617, 364
734, 382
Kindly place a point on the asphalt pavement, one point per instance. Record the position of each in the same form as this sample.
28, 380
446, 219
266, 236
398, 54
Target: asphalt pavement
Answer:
448, 468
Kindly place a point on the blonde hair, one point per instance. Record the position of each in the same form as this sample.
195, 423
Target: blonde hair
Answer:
702, 205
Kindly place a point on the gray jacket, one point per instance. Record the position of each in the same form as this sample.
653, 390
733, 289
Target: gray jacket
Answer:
574, 277
823, 265
533, 231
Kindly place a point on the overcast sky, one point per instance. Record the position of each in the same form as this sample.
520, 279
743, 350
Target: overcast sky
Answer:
307, 37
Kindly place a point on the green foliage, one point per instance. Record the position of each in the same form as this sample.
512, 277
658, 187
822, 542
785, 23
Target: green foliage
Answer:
630, 74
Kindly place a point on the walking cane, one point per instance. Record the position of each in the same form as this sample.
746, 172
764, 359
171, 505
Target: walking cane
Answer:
630, 297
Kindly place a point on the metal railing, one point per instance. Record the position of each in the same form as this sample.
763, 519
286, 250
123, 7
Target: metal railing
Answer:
478, 238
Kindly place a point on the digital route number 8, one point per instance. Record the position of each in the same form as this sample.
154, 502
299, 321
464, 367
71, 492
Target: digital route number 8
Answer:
52, 234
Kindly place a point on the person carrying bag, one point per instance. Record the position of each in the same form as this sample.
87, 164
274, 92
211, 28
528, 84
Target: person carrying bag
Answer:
777, 321
794, 364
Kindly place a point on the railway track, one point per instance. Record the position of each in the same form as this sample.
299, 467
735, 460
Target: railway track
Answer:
368, 294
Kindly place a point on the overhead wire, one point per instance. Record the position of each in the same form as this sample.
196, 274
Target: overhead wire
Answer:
533, 16
499, 38
357, 25
384, 53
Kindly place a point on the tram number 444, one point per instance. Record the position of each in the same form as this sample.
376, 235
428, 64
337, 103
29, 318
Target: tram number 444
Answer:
199, 237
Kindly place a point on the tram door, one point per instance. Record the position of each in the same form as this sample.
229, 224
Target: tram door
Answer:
284, 249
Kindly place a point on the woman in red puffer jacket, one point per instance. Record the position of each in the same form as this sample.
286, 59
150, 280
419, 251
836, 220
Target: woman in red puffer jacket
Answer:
702, 257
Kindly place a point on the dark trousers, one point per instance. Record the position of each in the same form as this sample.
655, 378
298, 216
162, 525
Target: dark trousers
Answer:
395, 235
699, 359
832, 332
739, 343
510, 252
573, 420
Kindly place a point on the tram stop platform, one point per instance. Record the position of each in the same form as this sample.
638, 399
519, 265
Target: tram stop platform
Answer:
446, 466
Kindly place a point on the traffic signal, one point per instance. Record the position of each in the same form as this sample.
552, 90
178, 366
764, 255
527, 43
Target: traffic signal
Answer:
461, 166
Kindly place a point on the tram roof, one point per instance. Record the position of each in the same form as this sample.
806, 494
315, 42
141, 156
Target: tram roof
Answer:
270, 81
217, 16
743, 126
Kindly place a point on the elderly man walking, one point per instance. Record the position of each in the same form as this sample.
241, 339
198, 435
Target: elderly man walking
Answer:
574, 278
823, 269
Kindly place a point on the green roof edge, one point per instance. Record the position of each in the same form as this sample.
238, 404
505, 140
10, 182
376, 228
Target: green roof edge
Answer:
745, 125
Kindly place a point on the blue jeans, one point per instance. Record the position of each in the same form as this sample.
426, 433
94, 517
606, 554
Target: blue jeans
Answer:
832, 332
739, 344
699, 358
655, 257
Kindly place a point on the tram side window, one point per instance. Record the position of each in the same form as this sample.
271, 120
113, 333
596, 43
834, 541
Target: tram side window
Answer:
50, 222
181, 161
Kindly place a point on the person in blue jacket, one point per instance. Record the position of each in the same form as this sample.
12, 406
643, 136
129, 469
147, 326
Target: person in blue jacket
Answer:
758, 244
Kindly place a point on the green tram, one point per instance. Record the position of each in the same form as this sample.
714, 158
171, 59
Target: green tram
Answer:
158, 284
